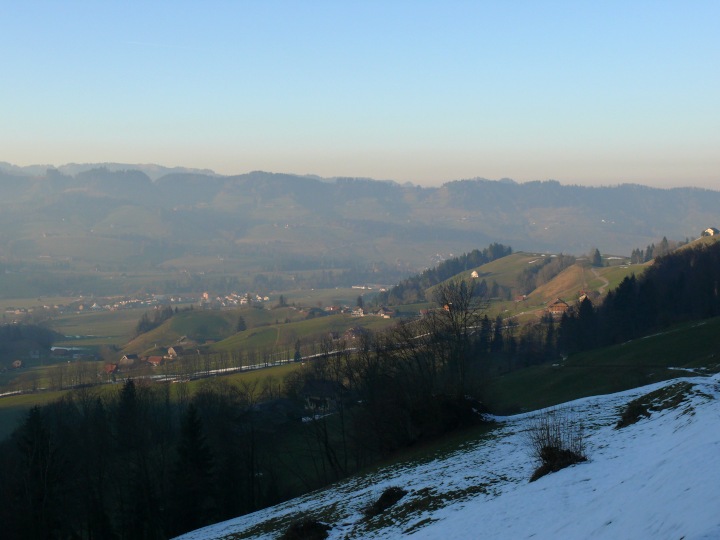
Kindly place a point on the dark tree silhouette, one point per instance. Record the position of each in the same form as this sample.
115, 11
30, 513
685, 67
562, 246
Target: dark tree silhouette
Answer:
192, 494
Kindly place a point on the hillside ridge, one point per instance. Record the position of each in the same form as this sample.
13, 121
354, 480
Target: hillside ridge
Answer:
629, 488
339, 221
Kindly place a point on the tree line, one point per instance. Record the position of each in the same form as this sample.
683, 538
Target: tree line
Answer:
19, 338
413, 289
155, 460
680, 286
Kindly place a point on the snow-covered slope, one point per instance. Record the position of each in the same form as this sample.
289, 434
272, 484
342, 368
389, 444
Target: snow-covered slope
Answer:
656, 479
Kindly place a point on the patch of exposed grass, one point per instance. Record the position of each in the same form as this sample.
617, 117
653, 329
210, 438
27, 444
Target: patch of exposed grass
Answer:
668, 397
632, 413
325, 515
307, 529
419, 525
388, 498
416, 503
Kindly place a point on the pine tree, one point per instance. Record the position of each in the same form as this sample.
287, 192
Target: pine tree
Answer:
241, 325
650, 253
41, 478
497, 339
192, 493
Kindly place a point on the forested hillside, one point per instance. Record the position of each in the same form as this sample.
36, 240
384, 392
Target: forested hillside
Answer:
680, 286
153, 460
413, 288
286, 227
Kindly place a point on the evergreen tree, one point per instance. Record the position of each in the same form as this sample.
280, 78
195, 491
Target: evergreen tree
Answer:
587, 325
240, 325
650, 253
192, 487
550, 345
485, 335
128, 423
497, 339
40, 491
143, 325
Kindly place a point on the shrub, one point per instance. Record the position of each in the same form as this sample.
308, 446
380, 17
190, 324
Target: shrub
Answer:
307, 529
388, 498
556, 441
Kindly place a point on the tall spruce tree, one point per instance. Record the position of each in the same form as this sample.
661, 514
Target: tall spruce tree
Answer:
192, 499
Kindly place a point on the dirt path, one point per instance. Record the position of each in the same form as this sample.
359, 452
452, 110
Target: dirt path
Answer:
601, 278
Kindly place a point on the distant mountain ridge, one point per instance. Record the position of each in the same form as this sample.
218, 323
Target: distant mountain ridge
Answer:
153, 171
152, 214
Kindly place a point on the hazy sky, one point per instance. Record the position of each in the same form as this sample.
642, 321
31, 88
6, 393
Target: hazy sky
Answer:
583, 92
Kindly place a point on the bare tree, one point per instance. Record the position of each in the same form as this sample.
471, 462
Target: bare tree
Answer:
453, 325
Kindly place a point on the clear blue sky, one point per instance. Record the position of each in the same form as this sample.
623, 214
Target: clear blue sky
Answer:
583, 92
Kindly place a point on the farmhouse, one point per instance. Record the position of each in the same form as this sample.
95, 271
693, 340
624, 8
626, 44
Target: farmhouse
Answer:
711, 231
128, 360
154, 360
385, 313
321, 396
174, 352
356, 332
557, 308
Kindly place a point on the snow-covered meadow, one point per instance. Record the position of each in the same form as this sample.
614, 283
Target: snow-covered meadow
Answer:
657, 479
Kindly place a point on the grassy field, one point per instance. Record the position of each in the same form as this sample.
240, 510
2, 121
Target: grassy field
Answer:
26, 303
275, 330
506, 270
341, 296
620, 367
285, 335
97, 328
568, 285
612, 369
13, 408
615, 274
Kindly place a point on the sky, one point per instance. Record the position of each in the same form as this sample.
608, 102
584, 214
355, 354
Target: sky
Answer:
590, 93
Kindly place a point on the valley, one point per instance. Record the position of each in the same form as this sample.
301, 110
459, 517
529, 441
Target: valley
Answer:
297, 358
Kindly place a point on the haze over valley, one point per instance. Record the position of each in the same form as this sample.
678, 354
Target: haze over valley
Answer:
334, 270
185, 225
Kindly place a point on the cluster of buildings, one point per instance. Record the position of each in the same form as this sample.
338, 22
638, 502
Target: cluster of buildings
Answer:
82, 305
231, 300
131, 361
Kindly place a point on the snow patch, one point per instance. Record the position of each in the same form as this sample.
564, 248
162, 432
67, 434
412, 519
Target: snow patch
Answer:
658, 478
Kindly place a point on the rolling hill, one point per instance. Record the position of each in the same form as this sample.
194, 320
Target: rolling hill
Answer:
111, 219
659, 478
